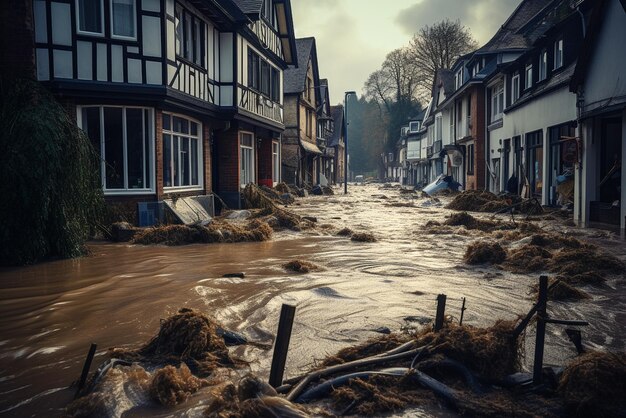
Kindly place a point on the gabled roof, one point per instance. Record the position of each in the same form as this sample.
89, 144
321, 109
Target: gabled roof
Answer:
324, 98
338, 121
250, 7
516, 32
295, 77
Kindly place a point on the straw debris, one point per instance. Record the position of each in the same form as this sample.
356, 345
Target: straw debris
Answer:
572, 262
470, 222
594, 384
256, 198
562, 291
188, 336
477, 201
369, 348
481, 252
300, 266
527, 259
363, 237
171, 386
345, 232
215, 232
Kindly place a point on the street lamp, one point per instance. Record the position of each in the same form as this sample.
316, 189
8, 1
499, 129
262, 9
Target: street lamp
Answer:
345, 162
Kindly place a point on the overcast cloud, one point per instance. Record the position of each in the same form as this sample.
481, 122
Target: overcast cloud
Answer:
353, 36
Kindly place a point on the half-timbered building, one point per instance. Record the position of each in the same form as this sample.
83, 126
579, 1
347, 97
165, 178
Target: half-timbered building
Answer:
180, 97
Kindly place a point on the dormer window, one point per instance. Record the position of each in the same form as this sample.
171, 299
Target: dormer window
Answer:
558, 54
414, 126
543, 65
528, 79
458, 79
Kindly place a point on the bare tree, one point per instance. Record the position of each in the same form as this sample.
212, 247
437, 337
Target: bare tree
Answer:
438, 46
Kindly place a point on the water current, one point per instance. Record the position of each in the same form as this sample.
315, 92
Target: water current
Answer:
51, 312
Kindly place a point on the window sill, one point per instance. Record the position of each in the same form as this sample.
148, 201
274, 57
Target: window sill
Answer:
495, 125
168, 190
127, 192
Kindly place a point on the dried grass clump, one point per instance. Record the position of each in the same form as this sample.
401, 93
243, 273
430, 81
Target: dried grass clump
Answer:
256, 198
492, 352
345, 232
401, 205
363, 237
369, 348
594, 385
470, 222
481, 252
528, 258
282, 188
562, 291
171, 386
477, 201
300, 266
188, 336
555, 241
572, 262
215, 232
590, 278
378, 395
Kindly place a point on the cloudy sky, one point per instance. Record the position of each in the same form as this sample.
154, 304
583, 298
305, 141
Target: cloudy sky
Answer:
353, 36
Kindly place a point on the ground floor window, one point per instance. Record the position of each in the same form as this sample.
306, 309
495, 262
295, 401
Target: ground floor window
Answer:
470, 159
246, 145
534, 157
562, 157
275, 162
124, 136
182, 153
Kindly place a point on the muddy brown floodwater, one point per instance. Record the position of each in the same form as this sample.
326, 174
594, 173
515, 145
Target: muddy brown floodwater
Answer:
51, 312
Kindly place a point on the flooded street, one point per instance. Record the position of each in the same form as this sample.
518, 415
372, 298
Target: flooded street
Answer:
51, 312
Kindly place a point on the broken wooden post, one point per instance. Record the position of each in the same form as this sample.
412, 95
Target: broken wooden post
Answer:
441, 312
86, 367
542, 302
462, 312
285, 324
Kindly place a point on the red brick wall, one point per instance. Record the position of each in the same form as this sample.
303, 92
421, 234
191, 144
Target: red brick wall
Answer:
17, 39
227, 149
477, 180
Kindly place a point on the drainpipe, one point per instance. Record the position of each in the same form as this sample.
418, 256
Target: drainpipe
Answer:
580, 103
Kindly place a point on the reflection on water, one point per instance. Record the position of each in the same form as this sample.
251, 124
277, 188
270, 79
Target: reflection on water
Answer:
51, 312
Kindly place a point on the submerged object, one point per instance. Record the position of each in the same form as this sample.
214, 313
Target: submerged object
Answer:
441, 183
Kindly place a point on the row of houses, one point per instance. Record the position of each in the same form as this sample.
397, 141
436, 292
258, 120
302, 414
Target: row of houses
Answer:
539, 111
182, 97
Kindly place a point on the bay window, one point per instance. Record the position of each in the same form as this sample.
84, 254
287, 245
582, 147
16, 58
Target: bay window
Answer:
246, 146
124, 136
90, 17
182, 153
123, 19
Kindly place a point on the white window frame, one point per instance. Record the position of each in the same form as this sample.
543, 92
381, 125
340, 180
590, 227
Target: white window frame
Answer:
497, 102
438, 128
412, 124
150, 134
459, 79
515, 88
276, 163
127, 38
252, 160
82, 32
199, 137
543, 65
558, 53
528, 81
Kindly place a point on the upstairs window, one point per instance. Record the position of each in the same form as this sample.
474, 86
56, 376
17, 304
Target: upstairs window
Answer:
543, 65
497, 102
414, 126
189, 36
263, 77
558, 54
515, 88
268, 13
275, 84
253, 69
528, 79
123, 19
90, 16
458, 79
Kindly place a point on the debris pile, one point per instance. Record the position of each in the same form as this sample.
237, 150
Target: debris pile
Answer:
572, 262
469, 222
477, 201
594, 384
300, 266
481, 252
271, 213
345, 232
560, 290
188, 337
217, 231
528, 258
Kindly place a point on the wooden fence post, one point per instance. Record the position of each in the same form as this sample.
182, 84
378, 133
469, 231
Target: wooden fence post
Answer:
86, 367
281, 346
441, 312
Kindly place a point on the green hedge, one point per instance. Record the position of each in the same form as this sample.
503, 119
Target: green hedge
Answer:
50, 192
